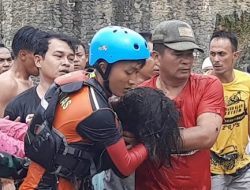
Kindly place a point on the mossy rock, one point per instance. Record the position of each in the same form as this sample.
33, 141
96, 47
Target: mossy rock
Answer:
240, 24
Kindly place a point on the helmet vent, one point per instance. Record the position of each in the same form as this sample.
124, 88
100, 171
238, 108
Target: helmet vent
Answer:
125, 32
114, 31
136, 46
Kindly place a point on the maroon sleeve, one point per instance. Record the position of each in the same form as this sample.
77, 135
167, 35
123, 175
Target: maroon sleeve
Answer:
126, 161
213, 98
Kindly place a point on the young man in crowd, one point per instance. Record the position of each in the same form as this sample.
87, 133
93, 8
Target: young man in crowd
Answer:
230, 163
16, 80
54, 57
81, 57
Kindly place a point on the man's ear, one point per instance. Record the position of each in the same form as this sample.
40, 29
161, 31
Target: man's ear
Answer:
38, 61
156, 57
87, 58
103, 66
22, 54
237, 54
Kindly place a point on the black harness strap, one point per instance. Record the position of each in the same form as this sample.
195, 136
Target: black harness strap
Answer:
67, 160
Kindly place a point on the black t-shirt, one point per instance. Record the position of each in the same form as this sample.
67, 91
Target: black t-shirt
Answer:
22, 105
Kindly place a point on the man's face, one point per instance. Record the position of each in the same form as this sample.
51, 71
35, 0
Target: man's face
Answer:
57, 61
150, 68
5, 59
222, 55
30, 63
123, 77
173, 64
80, 58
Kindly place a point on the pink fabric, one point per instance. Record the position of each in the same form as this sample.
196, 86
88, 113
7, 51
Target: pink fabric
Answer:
12, 137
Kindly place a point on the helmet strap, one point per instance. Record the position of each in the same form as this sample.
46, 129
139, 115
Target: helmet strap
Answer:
105, 77
106, 87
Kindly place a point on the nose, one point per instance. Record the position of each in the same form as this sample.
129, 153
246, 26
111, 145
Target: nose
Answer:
216, 58
187, 59
66, 62
76, 59
6, 63
132, 80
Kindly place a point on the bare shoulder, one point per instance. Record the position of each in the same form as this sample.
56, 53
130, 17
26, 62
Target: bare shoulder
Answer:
8, 89
8, 85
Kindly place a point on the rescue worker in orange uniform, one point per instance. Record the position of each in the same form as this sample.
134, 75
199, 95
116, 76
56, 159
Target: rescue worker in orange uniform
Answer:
84, 118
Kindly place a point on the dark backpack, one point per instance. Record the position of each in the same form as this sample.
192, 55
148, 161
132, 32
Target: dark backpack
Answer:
48, 147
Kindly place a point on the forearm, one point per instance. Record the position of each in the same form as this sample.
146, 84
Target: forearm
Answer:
126, 161
204, 135
196, 138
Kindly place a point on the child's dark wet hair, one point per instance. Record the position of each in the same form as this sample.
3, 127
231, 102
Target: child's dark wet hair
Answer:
153, 119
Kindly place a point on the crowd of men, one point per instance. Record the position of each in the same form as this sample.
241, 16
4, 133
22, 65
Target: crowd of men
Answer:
131, 143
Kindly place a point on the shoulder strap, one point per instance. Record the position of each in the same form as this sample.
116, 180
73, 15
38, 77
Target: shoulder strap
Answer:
46, 109
52, 97
58, 91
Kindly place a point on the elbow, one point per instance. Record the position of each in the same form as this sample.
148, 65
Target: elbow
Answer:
126, 161
208, 144
208, 141
123, 170
208, 138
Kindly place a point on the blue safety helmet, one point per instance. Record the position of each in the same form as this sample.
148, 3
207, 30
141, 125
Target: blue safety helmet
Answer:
115, 43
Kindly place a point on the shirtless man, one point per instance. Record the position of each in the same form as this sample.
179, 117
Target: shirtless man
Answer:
16, 80
5, 59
